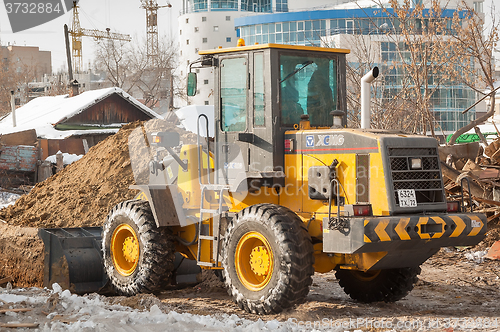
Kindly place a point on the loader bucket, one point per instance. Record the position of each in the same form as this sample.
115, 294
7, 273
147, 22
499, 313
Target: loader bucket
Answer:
73, 259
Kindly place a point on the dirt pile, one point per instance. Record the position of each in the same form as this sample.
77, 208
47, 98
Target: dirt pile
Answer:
21, 255
84, 192
80, 195
492, 236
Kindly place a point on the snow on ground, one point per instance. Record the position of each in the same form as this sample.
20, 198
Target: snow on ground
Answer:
70, 312
7, 198
476, 256
67, 158
452, 294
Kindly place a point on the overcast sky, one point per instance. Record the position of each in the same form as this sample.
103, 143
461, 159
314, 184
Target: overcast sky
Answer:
123, 16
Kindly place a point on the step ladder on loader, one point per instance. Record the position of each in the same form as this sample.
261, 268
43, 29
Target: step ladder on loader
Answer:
209, 186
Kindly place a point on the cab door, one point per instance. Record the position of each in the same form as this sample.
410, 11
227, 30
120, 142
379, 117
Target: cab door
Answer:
234, 117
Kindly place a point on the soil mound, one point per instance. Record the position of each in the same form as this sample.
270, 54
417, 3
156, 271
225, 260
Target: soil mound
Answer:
80, 195
22, 255
84, 192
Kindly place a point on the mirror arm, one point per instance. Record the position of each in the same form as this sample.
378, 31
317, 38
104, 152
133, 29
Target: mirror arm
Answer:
194, 62
177, 158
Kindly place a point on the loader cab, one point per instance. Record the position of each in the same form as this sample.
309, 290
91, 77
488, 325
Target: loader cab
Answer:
264, 90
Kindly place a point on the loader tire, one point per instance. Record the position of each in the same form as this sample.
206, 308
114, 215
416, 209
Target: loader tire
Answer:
267, 256
138, 256
381, 285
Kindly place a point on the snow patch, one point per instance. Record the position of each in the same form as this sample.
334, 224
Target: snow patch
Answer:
56, 288
476, 256
67, 158
13, 298
7, 198
93, 312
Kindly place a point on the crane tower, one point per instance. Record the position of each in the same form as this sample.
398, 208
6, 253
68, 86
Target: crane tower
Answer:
77, 32
152, 7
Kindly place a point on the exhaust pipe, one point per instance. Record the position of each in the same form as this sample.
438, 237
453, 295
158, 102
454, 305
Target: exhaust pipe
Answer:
365, 97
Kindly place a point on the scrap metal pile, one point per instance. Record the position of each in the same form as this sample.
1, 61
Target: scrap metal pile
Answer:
471, 173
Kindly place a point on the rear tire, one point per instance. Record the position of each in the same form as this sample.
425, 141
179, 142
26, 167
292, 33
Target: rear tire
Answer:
267, 255
138, 256
381, 285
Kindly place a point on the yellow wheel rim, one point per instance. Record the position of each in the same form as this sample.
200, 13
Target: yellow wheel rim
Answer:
125, 249
366, 276
254, 261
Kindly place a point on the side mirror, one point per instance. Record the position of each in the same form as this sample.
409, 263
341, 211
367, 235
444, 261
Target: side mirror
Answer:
191, 84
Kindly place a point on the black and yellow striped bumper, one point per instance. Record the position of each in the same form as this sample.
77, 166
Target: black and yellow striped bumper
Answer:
405, 233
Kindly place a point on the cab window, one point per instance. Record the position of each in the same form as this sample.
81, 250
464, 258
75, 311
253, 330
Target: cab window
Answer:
233, 83
258, 90
308, 85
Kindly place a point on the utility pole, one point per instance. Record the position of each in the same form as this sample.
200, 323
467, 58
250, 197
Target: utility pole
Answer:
13, 108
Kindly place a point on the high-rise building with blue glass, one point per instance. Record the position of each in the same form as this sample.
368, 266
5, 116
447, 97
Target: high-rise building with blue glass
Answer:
205, 24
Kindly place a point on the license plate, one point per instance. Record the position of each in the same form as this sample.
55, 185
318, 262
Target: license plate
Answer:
407, 198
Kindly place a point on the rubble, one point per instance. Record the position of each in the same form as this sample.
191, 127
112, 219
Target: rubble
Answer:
494, 251
480, 167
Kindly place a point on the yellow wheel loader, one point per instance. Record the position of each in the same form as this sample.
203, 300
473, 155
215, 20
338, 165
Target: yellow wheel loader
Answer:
283, 190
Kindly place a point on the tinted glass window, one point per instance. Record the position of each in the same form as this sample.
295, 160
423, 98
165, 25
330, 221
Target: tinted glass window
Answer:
308, 85
258, 89
233, 94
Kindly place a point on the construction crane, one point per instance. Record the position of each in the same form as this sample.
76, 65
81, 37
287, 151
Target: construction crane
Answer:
77, 32
152, 7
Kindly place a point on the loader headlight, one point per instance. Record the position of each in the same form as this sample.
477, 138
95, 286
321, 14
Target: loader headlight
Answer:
165, 139
156, 139
416, 163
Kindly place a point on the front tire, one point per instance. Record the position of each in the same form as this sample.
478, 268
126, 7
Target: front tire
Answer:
267, 255
138, 257
380, 285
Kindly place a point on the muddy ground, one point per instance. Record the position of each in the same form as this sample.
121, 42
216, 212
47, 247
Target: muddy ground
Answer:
451, 290
450, 285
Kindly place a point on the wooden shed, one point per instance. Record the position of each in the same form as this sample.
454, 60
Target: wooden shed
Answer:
113, 109
74, 124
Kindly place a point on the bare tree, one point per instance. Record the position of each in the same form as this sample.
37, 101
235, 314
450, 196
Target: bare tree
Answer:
155, 80
14, 76
116, 58
59, 84
417, 60
426, 57
127, 67
476, 45
362, 59
6, 85
384, 114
